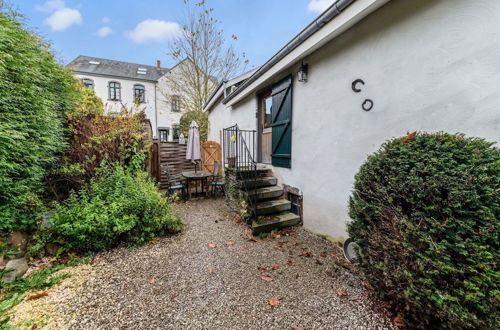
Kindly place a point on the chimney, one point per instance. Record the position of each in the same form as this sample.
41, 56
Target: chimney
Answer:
158, 64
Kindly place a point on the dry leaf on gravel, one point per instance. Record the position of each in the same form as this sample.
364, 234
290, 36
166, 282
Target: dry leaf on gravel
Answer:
342, 293
249, 236
211, 270
305, 253
344, 264
275, 235
266, 278
262, 268
243, 248
212, 245
230, 243
274, 302
290, 262
152, 280
367, 285
37, 295
322, 255
275, 267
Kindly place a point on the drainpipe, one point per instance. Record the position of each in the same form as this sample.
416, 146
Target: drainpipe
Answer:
332, 12
156, 114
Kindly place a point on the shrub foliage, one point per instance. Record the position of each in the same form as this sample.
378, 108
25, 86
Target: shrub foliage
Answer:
35, 94
201, 119
116, 206
425, 213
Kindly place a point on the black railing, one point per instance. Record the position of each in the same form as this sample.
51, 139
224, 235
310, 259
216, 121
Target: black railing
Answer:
239, 153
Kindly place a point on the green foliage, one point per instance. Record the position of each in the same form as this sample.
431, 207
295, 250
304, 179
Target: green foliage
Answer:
425, 213
201, 119
116, 206
35, 94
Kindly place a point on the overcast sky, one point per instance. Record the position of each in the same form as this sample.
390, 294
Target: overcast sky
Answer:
139, 30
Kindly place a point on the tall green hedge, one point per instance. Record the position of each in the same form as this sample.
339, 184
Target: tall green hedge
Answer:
35, 92
426, 212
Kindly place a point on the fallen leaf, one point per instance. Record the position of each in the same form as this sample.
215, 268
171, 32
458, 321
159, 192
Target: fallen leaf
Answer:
266, 278
274, 302
230, 243
344, 264
154, 240
249, 236
243, 248
212, 245
322, 255
275, 267
342, 293
295, 328
305, 253
211, 270
275, 235
398, 321
296, 244
37, 295
334, 255
387, 305
152, 280
262, 268
34, 326
367, 285
290, 262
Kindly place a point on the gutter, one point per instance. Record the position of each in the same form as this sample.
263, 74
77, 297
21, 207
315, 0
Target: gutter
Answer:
333, 11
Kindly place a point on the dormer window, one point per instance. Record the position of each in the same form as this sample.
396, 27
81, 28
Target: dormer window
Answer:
89, 83
139, 93
176, 103
114, 91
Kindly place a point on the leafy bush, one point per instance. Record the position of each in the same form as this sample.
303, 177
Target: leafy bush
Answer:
425, 213
201, 119
116, 206
35, 94
96, 139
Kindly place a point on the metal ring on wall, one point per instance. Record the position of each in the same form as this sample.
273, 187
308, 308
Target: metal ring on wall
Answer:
367, 105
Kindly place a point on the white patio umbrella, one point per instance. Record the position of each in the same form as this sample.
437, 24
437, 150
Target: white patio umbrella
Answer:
193, 147
182, 140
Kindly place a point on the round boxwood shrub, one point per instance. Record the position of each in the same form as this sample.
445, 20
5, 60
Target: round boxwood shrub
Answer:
425, 211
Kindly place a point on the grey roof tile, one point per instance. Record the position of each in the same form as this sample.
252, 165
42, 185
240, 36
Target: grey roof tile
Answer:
112, 68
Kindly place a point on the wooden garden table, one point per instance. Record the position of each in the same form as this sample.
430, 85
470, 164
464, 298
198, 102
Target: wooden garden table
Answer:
196, 176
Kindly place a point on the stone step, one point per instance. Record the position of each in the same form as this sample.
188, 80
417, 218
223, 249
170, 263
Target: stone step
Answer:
267, 192
274, 222
267, 181
273, 206
261, 172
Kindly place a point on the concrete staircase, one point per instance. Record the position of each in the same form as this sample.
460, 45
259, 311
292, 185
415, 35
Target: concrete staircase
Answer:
273, 210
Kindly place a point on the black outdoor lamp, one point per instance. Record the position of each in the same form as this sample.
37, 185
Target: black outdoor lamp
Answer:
302, 75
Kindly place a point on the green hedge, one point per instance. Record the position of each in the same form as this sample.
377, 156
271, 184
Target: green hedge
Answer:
35, 92
116, 207
425, 213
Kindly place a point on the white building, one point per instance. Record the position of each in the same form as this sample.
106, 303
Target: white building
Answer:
363, 72
136, 87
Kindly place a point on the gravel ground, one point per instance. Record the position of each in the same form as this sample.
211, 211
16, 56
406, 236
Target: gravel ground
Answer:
184, 282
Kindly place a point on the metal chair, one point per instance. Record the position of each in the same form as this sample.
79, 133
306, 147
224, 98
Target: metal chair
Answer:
175, 183
218, 182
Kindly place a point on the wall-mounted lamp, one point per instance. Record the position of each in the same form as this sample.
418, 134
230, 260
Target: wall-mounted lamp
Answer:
302, 75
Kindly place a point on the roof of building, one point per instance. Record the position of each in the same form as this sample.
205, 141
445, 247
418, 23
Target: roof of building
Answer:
111, 68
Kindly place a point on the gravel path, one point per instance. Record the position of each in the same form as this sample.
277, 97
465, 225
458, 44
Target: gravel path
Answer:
183, 282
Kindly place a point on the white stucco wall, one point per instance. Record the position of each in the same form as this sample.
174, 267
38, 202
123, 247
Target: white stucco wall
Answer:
430, 65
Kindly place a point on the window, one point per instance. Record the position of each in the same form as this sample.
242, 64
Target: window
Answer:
267, 107
114, 91
176, 103
89, 83
139, 94
163, 133
175, 132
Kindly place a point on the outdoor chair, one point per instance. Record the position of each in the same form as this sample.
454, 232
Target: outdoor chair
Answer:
218, 183
175, 184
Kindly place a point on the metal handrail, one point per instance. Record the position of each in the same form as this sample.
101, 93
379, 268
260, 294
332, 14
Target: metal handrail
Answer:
240, 155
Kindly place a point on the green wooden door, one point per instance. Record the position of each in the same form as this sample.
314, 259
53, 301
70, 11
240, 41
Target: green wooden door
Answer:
282, 123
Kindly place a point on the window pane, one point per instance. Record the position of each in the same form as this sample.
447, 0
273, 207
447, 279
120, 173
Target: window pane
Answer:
163, 135
139, 93
268, 103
